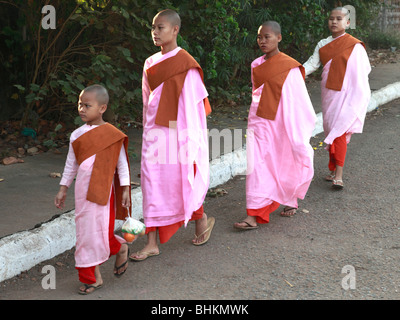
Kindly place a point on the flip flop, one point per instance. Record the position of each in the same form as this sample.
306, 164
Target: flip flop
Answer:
210, 226
330, 177
120, 267
89, 286
248, 227
287, 209
145, 254
337, 184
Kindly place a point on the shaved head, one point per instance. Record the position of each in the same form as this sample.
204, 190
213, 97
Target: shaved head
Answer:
171, 15
275, 27
100, 92
343, 10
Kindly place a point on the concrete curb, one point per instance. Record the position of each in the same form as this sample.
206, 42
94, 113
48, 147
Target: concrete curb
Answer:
23, 250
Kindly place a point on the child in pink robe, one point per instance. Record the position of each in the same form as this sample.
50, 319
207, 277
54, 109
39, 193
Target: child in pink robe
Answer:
344, 99
279, 154
175, 160
95, 239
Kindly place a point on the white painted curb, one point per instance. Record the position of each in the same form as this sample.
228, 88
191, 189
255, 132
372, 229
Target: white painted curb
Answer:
384, 95
23, 250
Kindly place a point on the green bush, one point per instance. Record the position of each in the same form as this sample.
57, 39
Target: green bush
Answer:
211, 33
94, 42
383, 40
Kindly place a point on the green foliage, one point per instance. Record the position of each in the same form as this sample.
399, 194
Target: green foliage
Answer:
383, 40
211, 33
304, 22
101, 42
107, 42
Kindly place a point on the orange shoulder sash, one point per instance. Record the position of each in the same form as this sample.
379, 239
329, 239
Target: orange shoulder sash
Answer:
104, 141
339, 50
172, 72
272, 74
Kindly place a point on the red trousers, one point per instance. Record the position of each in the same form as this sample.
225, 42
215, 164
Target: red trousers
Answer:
337, 153
262, 214
166, 232
86, 275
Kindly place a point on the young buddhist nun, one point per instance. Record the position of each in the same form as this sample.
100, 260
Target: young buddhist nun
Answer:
280, 124
175, 162
345, 89
97, 158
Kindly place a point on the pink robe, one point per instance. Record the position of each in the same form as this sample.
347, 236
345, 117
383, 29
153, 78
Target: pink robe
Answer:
91, 219
279, 154
171, 191
344, 111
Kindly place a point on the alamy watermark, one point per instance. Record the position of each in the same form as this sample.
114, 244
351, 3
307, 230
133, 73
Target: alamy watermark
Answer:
172, 146
49, 20
49, 280
352, 15
349, 280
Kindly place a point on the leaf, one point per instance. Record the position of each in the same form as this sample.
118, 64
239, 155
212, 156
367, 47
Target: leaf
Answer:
55, 175
19, 87
78, 121
34, 87
58, 127
49, 143
11, 160
213, 193
126, 52
289, 283
30, 97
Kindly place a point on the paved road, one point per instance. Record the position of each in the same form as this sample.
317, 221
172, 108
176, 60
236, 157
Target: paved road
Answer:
290, 258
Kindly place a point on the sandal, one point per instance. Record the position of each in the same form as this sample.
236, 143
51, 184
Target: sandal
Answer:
89, 286
286, 212
330, 177
337, 184
210, 226
116, 269
145, 254
247, 227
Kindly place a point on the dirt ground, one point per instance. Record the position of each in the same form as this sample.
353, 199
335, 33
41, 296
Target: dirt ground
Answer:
297, 258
